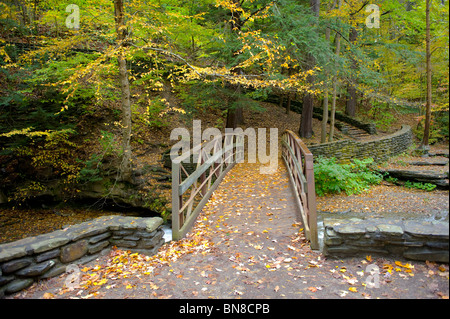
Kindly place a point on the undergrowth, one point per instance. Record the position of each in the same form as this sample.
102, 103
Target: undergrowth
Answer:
352, 178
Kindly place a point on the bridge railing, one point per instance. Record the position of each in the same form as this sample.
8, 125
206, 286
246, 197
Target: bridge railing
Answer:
299, 162
192, 189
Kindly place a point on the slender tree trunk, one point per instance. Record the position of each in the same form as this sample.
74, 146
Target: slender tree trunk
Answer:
426, 132
308, 99
288, 104
323, 135
350, 108
125, 169
337, 41
235, 117
307, 115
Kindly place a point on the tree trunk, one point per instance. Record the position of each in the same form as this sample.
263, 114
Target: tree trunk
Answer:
350, 108
125, 169
288, 104
323, 135
308, 99
426, 132
235, 117
307, 116
337, 41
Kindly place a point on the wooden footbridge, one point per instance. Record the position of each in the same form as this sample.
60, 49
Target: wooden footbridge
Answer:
193, 187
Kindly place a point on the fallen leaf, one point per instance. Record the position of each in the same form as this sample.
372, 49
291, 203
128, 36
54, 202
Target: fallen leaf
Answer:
366, 295
313, 289
440, 294
48, 295
277, 288
353, 289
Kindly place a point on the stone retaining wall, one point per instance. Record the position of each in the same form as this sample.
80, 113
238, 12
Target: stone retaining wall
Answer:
411, 239
24, 261
379, 149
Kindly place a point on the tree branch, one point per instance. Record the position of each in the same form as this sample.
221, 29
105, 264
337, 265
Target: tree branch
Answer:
362, 7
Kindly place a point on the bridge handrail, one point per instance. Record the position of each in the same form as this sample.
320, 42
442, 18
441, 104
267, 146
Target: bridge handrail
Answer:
219, 155
299, 162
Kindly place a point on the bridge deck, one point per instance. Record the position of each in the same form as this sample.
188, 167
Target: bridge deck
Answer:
257, 247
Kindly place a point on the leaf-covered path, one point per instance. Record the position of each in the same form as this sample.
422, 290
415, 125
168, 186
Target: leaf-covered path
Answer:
247, 243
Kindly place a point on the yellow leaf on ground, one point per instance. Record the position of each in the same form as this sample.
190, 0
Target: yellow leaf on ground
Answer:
353, 289
48, 295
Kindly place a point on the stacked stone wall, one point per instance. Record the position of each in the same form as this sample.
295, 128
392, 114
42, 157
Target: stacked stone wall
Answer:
379, 149
410, 239
30, 259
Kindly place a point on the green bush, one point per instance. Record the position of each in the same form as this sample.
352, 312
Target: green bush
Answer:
353, 178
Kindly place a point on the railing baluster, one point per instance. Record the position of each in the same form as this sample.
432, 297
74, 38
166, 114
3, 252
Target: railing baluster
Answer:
299, 161
223, 158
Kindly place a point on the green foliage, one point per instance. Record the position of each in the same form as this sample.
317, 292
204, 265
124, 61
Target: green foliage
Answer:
381, 113
353, 178
91, 172
425, 186
439, 129
197, 96
110, 145
93, 168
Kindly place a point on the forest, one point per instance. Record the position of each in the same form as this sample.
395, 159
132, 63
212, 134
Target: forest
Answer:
91, 88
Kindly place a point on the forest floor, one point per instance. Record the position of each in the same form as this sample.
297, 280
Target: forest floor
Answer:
247, 243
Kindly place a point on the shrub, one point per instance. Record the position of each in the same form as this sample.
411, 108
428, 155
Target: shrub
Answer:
353, 178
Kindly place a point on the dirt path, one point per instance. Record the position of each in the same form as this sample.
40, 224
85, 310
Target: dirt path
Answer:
247, 243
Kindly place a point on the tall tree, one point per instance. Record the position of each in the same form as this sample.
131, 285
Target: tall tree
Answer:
323, 135
426, 134
305, 129
337, 41
125, 169
350, 108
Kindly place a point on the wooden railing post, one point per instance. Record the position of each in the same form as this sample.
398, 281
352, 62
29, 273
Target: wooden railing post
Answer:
311, 195
175, 200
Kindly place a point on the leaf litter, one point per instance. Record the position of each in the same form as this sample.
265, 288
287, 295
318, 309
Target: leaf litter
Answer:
256, 263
